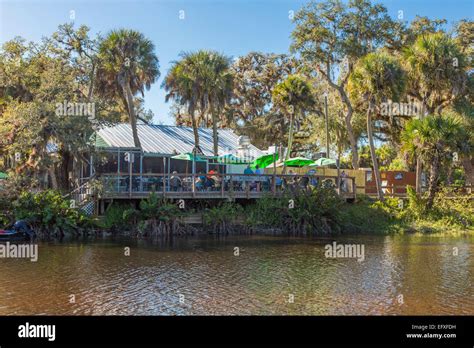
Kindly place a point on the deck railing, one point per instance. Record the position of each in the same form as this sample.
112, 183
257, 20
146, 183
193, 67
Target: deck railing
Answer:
218, 185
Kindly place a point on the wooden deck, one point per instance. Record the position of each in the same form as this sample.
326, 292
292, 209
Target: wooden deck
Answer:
229, 187
221, 186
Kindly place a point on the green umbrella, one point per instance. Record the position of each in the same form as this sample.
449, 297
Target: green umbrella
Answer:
3, 175
231, 159
323, 162
298, 162
188, 157
264, 161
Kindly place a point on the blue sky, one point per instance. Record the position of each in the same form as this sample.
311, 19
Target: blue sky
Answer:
233, 27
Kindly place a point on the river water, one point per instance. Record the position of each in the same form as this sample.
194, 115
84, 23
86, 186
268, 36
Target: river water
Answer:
270, 276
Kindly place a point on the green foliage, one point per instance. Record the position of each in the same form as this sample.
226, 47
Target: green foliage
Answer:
414, 213
315, 211
437, 67
367, 216
6, 211
434, 139
117, 217
48, 211
378, 76
159, 209
126, 56
295, 96
251, 111
224, 217
200, 80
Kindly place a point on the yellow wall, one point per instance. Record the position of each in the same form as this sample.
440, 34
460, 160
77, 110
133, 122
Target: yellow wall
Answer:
359, 174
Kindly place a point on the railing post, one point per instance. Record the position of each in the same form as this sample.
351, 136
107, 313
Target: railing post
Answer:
222, 184
247, 186
274, 184
193, 186
164, 185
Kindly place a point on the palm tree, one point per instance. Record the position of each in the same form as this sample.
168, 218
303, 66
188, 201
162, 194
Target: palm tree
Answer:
294, 96
202, 81
433, 139
437, 70
377, 77
127, 65
220, 85
182, 87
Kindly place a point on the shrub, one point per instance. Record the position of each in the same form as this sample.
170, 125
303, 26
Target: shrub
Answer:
48, 212
308, 211
115, 217
223, 217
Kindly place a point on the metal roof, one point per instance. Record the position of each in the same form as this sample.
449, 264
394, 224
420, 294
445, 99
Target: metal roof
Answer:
162, 139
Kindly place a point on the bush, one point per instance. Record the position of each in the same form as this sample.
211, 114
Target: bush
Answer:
48, 212
155, 216
115, 217
224, 217
308, 211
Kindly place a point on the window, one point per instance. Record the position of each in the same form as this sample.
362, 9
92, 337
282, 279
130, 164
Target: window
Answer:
368, 176
399, 176
124, 165
106, 163
153, 165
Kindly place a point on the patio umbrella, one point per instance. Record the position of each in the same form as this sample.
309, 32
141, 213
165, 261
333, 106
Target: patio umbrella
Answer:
3, 175
231, 159
323, 162
264, 161
298, 162
187, 157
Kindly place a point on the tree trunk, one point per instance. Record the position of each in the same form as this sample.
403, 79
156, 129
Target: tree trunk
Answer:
197, 148
52, 175
290, 141
350, 130
64, 169
378, 181
131, 111
419, 162
468, 172
91, 83
433, 184
214, 133
419, 169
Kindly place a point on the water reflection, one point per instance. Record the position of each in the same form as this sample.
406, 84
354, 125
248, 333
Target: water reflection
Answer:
260, 280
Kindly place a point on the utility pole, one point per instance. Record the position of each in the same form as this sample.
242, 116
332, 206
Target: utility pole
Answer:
327, 123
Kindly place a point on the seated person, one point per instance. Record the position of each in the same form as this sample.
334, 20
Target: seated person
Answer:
209, 183
217, 180
304, 182
175, 182
278, 183
199, 183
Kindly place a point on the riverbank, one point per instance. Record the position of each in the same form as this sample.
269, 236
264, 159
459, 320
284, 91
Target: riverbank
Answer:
317, 212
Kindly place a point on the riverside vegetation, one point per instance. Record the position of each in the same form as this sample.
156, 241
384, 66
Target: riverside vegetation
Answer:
373, 61
312, 212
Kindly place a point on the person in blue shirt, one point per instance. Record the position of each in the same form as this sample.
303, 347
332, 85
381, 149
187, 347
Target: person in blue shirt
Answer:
247, 170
